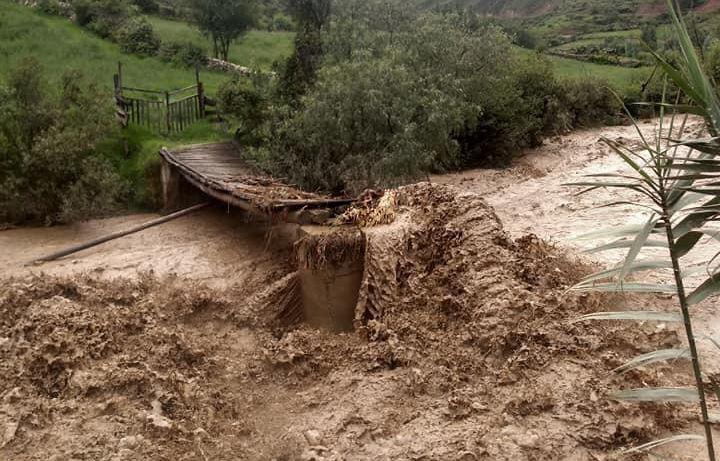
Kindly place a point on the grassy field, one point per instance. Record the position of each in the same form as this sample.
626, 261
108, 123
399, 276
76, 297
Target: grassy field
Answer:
620, 78
258, 49
60, 45
598, 39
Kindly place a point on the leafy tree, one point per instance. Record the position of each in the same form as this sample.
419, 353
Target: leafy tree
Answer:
301, 68
224, 21
311, 14
49, 167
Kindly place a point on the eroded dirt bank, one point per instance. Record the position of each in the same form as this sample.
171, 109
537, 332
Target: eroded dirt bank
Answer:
464, 351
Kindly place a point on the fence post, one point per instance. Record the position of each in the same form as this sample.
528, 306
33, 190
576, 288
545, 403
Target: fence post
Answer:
201, 99
119, 73
167, 111
200, 92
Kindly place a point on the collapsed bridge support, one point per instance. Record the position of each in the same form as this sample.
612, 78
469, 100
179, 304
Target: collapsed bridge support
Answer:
330, 263
330, 269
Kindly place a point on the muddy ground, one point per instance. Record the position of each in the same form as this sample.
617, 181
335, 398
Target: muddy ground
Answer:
170, 344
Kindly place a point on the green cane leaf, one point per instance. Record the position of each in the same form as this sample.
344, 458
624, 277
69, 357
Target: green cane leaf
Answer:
626, 288
708, 288
637, 246
660, 442
657, 394
639, 316
662, 355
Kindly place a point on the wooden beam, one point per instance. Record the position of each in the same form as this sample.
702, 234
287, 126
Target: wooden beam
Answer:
117, 235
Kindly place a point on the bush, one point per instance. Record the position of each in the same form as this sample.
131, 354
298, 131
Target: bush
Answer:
247, 101
50, 170
186, 54
51, 7
147, 6
589, 101
364, 124
138, 36
383, 97
282, 22
102, 17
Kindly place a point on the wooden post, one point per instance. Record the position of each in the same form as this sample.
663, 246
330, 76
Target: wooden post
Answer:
181, 115
120, 79
201, 99
167, 111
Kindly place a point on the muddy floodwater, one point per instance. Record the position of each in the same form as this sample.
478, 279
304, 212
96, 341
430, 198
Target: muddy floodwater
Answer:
174, 343
217, 246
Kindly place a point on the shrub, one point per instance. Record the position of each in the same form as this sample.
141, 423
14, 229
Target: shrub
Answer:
186, 54
368, 123
384, 97
147, 6
138, 36
589, 101
282, 22
247, 101
51, 7
50, 170
102, 17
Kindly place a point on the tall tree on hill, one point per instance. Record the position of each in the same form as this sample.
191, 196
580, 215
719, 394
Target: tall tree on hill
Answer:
301, 68
224, 21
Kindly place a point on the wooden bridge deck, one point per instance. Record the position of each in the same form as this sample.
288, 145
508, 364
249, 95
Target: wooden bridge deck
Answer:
218, 170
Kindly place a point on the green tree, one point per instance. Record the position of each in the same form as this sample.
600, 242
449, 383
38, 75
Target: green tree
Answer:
224, 21
301, 68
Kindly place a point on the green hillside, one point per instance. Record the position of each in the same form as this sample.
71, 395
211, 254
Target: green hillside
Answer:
257, 49
60, 45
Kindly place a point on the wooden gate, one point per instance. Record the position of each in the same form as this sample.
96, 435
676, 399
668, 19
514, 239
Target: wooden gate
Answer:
164, 111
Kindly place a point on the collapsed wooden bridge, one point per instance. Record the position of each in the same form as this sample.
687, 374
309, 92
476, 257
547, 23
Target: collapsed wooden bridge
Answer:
219, 171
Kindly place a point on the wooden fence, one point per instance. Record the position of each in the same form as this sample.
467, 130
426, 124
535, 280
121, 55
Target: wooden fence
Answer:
164, 111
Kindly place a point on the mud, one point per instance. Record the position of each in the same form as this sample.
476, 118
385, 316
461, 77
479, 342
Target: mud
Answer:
462, 348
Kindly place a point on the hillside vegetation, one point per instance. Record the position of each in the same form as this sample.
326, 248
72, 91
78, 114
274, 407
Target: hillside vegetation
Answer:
311, 121
60, 45
257, 49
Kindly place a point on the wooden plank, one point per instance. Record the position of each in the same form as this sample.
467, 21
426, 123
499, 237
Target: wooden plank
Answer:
117, 235
141, 90
193, 86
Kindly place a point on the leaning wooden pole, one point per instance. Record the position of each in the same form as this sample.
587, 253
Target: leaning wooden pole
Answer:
117, 235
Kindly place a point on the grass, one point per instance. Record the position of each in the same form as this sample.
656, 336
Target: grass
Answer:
618, 77
60, 45
621, 79
598, 39
141, 168
256, 49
